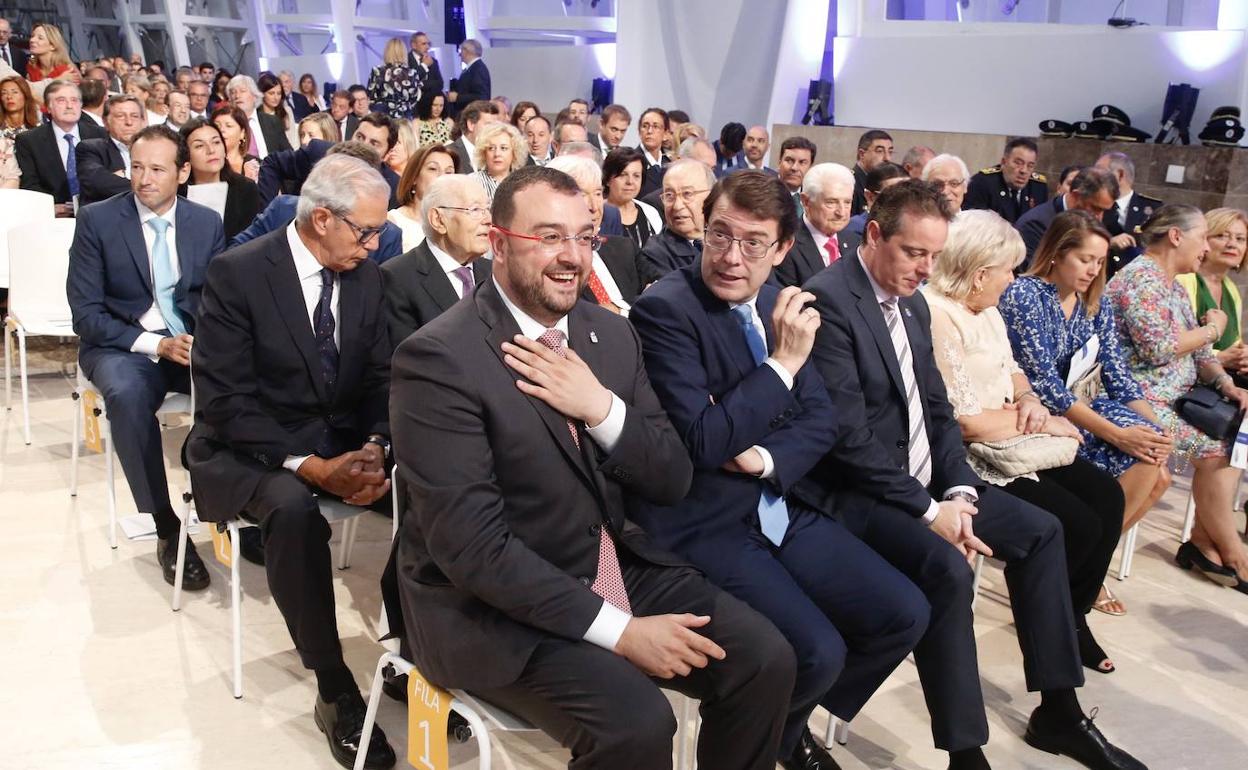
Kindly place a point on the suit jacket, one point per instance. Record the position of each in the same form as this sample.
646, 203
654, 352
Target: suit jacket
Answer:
854, 353
281, 212
353, 122
612, 224
620, 256
805, 259
286, 171
722, 403
19, 56
260, 395
418, 291
109, 283
1139, 209
988, 190
300, 108
242, 204
274, 133
40, 159
1034, 223
859, 202
472, 85
430, 79
664, 252
98, 162
465, 157
651, 173
499, 544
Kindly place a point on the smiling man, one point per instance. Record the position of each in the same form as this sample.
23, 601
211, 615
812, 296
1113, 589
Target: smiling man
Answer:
685, 185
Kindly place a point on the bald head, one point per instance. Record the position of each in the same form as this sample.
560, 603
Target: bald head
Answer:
757, 143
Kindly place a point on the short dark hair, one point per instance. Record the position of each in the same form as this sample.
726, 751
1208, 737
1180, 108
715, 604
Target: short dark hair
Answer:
1067, 171
93, 92
117, 99
911, 196
504, 208
58, 85
873, 135
615, 110
679, 116
1021, 141
161, 131
207, 65
617, 161
357, 87
760, 193
1092, 180
362, 150
472, 112
877, 176
378, 120
340, 94
798, 143
731, 139
667, 123
578, 100
540, 117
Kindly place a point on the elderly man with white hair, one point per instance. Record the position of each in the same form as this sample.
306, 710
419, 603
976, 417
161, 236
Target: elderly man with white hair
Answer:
686, 183
950, 174
446, 266
822, 238
267, 133
613, 281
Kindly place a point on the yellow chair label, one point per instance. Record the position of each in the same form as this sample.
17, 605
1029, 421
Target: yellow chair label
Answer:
428, 712
221, 546
91, 423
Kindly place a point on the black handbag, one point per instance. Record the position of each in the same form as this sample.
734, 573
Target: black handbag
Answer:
1205, 409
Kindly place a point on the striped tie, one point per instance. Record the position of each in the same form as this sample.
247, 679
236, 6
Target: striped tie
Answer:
920, 450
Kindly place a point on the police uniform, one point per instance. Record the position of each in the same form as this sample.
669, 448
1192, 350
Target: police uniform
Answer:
988, 190
1139, 209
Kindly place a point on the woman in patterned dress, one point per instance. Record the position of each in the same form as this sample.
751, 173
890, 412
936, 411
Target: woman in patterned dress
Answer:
1057, 310
392, 86
433, 127
1168, 352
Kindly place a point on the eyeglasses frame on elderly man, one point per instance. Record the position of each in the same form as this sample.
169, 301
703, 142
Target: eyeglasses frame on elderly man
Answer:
362, 234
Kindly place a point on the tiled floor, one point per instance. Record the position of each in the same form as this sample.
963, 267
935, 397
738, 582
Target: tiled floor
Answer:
98, 673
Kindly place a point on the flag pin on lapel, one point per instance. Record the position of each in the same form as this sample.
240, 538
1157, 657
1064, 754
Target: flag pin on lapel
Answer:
907, 311
593, 337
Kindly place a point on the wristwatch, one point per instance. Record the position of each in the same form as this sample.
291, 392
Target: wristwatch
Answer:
381, 442
961, 496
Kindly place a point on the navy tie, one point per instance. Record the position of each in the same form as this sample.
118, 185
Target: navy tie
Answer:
71, 166
325, 330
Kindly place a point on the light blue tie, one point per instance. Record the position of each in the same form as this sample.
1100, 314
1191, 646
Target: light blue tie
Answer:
773, 514
163, 280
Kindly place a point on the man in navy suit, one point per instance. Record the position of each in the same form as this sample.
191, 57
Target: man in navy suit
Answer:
898, 479
47, 154
136, 268
473, 83
728, 355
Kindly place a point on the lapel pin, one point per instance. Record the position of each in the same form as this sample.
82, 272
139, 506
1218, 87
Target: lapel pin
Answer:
593, 337
906, 310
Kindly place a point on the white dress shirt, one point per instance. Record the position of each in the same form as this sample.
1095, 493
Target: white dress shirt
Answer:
650, 159
608, 626
608, 283
1124, 204
99, 121
472, 150
769, 466
820, 238
449, 265
881, 297
124, 149
152, 320
61, 146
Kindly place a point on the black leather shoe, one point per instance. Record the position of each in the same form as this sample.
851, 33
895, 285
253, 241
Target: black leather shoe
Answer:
250, 545
1082, 741
1190, 557
343, 723
195, 575
394, 685
809, 755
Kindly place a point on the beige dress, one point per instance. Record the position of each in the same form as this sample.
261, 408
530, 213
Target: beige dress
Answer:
974, 356
413, 230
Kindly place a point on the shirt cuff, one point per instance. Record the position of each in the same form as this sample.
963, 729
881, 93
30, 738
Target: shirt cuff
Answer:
933, 510
785, 377
769, 465
608, 627
607, 433
147, 343
292, 463
968, 491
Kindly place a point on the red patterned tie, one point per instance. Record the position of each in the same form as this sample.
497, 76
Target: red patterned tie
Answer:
833, 250
600, 292
610, 581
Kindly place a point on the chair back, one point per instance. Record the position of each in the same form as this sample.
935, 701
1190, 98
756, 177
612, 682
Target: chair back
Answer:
18, 207
39, 264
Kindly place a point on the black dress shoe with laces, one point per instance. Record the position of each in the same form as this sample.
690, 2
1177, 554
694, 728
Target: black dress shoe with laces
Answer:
195, 575
809, 755
1082, 741
343, 723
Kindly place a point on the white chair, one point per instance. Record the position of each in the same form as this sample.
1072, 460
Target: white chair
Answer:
21, 207
1127, 556
174, 403
37, 303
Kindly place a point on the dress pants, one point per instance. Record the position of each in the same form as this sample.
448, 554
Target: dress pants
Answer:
850, 616
1029, 541
612, 716
1089, 503
134, 387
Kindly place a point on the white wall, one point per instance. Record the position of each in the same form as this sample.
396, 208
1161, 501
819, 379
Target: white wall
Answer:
1005, 79
549, 75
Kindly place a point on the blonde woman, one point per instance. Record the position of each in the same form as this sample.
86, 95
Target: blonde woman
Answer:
49, 59
318, 125
499, 151
393, 86
404, 147
1210, 287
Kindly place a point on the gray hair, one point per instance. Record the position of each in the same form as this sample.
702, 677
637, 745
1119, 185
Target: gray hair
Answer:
581, 149
685, 150
446, 190
1182, 216
942, 159
337, 183
243, 81
582, 169
979, 239
822, 175
691, 162
1120, 161
472, 45
915, 153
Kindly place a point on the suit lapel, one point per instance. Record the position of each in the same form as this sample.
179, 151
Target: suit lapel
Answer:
288, 297
132, 234
727, 327
810, 252
184, 239
53, 153
873, 315
436, 283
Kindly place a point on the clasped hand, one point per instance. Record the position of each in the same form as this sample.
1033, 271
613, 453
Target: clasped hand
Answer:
955, 523
565, 384
358, 477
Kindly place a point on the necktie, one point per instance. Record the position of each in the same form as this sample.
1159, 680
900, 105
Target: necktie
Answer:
71, 167
773, 514
163, 281
252, 147
600, 292
833, 250
797, 201
610, 581
324, 320
7, 60
464, 274
920, 451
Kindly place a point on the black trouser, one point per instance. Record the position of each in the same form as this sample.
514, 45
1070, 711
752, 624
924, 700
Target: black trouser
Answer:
1089, 503
611, 715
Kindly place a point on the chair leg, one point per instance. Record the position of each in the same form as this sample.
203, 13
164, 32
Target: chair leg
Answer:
979, 573
111, 480
182, 535
1189, 519
348, 542
682, 733
479, 731
842, 732
829, 735
1128, 552
8, 367
370, 715
236, 609
21, 364
73, 450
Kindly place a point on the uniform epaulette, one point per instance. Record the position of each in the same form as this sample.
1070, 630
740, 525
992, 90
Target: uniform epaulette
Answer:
1150, 199
991, 170
1038, 178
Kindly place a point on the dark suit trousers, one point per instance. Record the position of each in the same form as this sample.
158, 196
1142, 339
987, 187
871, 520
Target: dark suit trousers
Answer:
612, 716
850, 616
134, 387
1029, 541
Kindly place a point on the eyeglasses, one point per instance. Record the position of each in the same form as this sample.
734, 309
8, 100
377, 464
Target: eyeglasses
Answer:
553, 242
475, 212
941, 184
362, 234
751, 248
687, 196
1239, 239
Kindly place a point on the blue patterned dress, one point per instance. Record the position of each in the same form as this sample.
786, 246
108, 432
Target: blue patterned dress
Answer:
1044, 341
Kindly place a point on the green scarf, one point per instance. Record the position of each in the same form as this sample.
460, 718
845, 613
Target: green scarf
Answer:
1205, 303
